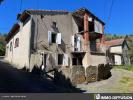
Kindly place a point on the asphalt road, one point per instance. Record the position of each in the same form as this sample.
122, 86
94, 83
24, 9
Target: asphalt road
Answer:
14, 80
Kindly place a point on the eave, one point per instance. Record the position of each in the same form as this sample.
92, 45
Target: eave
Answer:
13, 31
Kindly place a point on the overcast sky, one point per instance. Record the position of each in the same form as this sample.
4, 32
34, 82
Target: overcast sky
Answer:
120, 21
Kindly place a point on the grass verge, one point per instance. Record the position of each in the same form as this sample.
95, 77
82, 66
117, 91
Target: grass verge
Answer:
126, 67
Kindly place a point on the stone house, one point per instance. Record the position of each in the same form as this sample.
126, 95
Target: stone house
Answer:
117, 52
55, 38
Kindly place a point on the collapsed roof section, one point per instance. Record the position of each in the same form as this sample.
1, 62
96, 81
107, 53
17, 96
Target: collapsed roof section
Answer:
80, 12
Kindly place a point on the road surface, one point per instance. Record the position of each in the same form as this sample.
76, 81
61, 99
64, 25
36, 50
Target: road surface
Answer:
121, 81
13, 80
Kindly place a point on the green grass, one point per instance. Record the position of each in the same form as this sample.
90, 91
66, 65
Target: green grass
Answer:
127, 84
126, 67
126, 80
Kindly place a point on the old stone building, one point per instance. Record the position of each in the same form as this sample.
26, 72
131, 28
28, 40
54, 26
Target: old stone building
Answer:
116, 51
55, 39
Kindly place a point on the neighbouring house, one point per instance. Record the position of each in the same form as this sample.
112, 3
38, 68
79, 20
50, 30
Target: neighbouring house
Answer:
117, 52
55, 38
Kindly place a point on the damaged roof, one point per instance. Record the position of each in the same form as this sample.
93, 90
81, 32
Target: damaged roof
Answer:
81, 11
110, 43
27, 13
115, 42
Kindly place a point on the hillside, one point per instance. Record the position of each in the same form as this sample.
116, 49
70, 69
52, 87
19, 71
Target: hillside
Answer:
113, 36
130, 44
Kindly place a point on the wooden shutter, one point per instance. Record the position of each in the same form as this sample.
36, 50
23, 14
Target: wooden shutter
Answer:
78, 43
72, 43
58, 39
90, 19
98, 26
56, 59
49, 37
65, 60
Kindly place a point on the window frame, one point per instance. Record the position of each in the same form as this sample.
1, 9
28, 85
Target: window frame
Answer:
11, 46
16, 43
61, 59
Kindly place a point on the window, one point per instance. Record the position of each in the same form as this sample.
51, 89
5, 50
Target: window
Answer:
54, 24
54, 37
10, 46
7, 50
44, 59
60, 59
76, 43
42, 16
77, 61
16, 42
74, 61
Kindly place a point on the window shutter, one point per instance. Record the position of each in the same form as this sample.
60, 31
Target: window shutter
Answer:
98, 27
49, 37
56, 59
65, 60
73, 43
58, 39
78, 43
90, 19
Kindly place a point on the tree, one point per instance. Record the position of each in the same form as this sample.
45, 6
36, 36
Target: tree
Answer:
129, 39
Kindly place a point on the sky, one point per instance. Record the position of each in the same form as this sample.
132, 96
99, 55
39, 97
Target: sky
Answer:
119, 21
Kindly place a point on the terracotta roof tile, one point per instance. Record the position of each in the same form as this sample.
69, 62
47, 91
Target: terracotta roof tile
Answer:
113, 42
32, 10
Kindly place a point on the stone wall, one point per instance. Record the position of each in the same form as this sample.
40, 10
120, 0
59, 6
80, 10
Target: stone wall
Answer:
104, 71
91, 74
77, 74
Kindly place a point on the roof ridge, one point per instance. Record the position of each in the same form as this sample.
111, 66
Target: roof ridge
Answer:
46, 10
115, 39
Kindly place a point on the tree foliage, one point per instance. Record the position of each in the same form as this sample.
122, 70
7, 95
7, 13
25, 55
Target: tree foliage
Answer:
113, 36
129, 39
2, 45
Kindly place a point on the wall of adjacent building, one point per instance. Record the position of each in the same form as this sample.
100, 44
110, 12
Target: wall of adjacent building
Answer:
19, 56
116, 49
